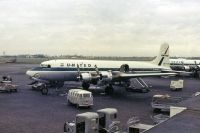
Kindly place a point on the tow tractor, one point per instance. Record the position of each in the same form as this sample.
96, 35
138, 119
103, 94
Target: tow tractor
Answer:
6, 85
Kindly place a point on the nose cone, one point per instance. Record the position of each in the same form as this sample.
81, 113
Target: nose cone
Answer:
29, 73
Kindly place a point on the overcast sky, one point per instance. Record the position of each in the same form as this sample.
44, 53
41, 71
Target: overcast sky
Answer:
100, 27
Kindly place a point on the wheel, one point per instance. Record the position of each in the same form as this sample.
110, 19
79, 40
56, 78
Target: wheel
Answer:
85, 85
44, 91
109, 90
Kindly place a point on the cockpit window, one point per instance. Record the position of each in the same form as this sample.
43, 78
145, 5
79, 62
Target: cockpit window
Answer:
45, 65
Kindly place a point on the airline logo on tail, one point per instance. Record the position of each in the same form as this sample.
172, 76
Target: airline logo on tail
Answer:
163, 56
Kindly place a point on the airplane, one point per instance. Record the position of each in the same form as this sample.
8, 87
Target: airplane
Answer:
100, 72
187, 65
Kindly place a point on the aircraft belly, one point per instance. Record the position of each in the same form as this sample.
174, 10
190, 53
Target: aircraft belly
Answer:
51, 76
71, 76
63, 76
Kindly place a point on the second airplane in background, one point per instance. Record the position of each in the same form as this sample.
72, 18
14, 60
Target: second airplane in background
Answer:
187, 65
100, 72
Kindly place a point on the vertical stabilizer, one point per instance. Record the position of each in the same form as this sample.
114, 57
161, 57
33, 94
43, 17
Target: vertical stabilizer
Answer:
163, 58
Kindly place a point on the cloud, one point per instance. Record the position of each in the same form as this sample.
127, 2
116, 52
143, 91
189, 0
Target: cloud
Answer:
99, 27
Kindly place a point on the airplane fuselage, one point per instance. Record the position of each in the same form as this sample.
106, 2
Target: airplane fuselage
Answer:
184, 62
66, 70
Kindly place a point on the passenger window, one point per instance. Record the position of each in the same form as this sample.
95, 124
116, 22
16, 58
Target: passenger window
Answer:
86, 95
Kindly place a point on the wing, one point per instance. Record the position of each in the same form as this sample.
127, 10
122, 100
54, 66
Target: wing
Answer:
137, 75
181, 73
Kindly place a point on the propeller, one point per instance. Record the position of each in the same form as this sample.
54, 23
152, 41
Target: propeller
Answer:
78, 71
96, 69
197, 66
183, 65
196, 70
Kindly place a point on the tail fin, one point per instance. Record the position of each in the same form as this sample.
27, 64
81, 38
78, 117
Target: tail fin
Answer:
163, 58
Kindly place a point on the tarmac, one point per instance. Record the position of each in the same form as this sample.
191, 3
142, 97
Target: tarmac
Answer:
28, 111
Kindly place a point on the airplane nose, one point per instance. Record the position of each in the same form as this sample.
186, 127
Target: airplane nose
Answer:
29, 73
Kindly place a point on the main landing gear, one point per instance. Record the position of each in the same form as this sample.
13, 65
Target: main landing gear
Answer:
85, 85
44, 89
109, 89
40, 86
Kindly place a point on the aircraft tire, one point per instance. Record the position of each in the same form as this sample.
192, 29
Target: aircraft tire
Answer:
44, 90
85, 85
109, 90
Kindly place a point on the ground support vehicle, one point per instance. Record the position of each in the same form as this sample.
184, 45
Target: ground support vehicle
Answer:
176, 85
80, 98
163, 102
7, 86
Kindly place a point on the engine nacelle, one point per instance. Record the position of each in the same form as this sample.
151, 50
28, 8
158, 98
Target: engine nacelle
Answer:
106, 76
86, 77
89, 77
187, 68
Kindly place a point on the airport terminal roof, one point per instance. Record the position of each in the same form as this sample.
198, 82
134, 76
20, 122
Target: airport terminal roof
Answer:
192, 103
187, 121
